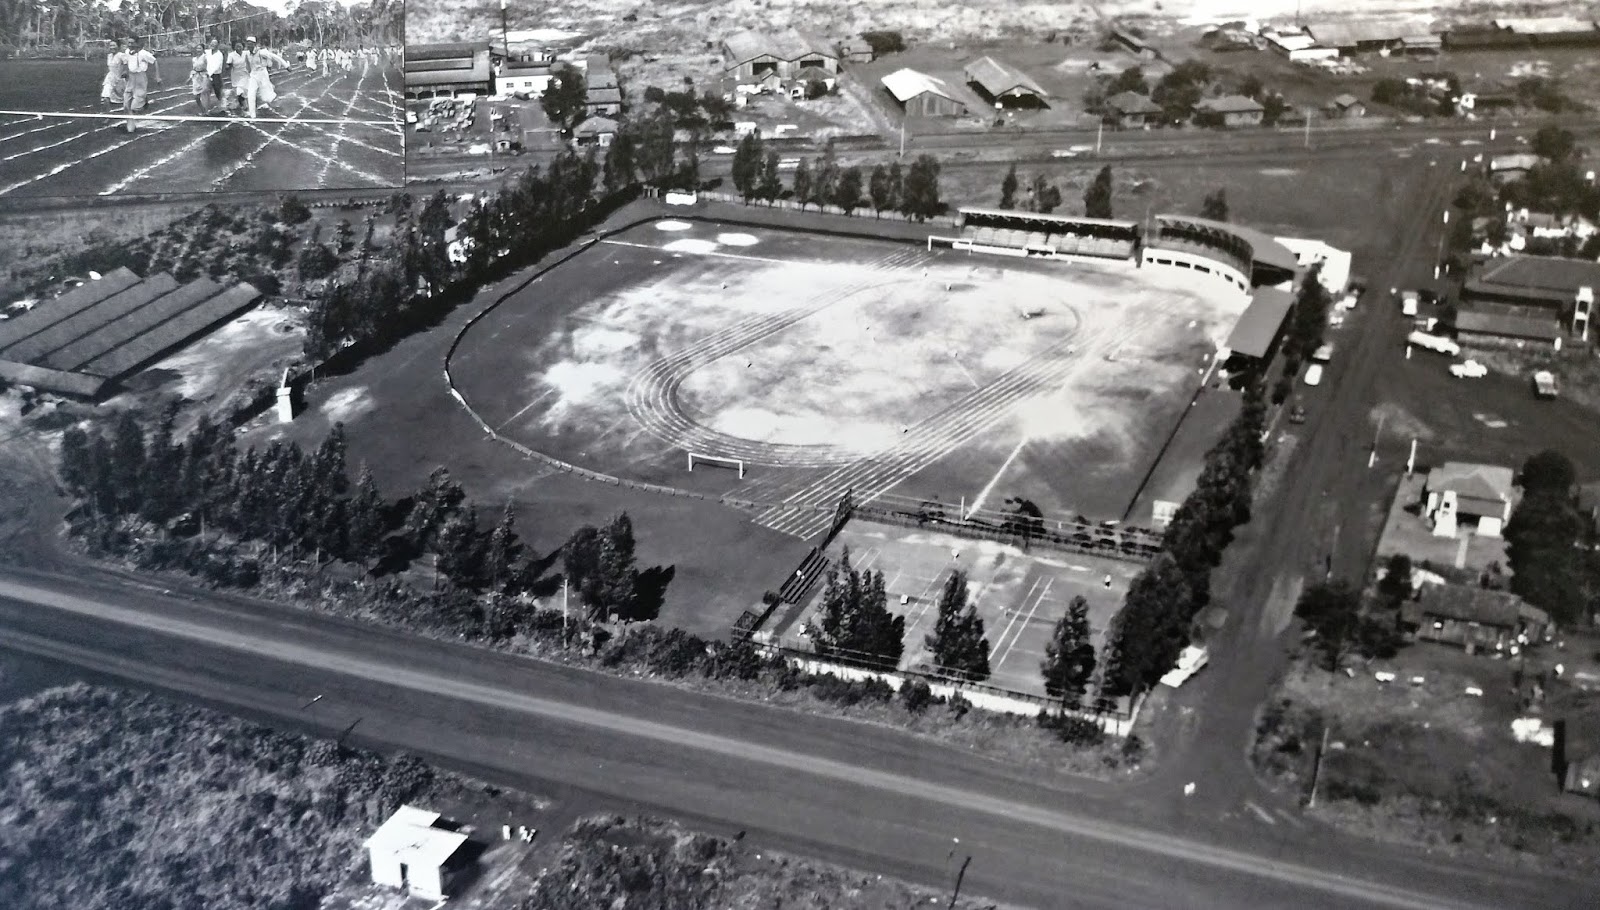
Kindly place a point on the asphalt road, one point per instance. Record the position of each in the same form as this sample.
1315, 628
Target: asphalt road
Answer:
875, 798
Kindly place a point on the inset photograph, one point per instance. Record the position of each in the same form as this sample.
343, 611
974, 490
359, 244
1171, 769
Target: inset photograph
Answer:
101, 99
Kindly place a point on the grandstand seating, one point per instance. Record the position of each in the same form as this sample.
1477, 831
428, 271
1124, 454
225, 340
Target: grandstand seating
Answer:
1067, 244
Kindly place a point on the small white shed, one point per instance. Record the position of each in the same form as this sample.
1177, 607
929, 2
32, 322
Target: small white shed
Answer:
412, 852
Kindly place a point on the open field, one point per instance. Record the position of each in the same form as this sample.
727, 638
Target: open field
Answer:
1019, 595
828, 364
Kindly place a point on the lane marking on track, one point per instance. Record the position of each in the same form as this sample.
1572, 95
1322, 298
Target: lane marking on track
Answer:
1260, 813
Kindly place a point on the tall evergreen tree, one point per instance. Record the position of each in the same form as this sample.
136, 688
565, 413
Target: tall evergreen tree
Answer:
127, 463
771, 186
878, 189
460, 546
1097, 198
1152, 628
1008, 188
564, 98
847, 194
802, 183
431, 506
920, 190
502, 551
897, 187
616, 563
854, 623
1215, 205
1069, 658
364, 520
619, 169
747, 160
957, 642
825, 179
77, 467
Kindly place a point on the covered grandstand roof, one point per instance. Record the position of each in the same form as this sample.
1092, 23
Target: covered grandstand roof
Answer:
1265, 249
905, 84
998, 78
1042, 218
444, 51
1253, 335
1553, 25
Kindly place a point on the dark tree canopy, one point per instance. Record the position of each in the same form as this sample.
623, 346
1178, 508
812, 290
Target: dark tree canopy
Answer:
1069, 658
1097, 198
957, 642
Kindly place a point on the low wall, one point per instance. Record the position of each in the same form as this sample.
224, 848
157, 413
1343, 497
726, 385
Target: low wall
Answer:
986, 698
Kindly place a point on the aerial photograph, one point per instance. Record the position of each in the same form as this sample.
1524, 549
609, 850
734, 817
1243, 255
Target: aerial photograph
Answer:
799, 455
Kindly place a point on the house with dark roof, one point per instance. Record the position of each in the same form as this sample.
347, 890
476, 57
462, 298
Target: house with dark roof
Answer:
1491, 327
595, 130
1132, 110
754, 57
1476, 618
1229, 111
1536, 286
447, 70
1476, 497
1004, 85
1345, 106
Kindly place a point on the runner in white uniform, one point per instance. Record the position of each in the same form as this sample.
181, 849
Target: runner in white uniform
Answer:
260, 60
116, 80
141, 66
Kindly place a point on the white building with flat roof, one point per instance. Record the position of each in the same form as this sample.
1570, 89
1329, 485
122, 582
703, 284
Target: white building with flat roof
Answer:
412, 852
1335, 273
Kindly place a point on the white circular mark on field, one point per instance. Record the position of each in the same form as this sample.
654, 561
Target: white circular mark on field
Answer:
673, 225
690, 245
737, 239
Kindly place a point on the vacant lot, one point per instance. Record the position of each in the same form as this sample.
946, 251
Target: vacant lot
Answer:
1019, 595
1421, 760
828, 364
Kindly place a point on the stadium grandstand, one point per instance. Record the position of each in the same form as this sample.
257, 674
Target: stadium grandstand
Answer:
1255, 258
1016, 233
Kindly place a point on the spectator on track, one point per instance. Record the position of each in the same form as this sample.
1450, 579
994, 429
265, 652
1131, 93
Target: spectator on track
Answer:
216, 63
142, 66
116, 80
238, 76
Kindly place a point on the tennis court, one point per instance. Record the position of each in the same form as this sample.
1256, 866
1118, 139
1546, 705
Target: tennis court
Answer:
1020, 596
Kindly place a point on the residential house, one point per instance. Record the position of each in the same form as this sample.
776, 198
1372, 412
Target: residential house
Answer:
1505, 168
1476, 618
418, 852
604, 96
1483, 98
1003, 85
856, 50
804, 78
1230, 111
923, 95
1134, 44
595, 130
1132, 110
1346, 106
758, 58
523, 77
1491, 326
1475, 497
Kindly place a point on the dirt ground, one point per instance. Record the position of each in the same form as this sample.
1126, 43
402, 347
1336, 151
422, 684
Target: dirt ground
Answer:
1019, 595
799, 353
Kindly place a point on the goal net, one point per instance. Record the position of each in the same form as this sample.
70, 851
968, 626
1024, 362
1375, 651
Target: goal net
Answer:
717, 461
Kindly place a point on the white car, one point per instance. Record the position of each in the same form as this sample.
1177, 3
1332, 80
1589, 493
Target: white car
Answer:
1468, 369
1314, 374
724, 150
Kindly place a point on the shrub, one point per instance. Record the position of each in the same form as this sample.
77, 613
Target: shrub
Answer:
916, 696
293, 211
317, 261
676, 653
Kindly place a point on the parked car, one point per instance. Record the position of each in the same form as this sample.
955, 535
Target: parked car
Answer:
1297, 414
1468, 369
1408, 302
1544, 384
1314, 374
1323, 354
1437, 343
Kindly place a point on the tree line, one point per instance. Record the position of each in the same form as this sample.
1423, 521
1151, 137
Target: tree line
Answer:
1551, 566
136, 489
1308, 326
1154, 625
822, 181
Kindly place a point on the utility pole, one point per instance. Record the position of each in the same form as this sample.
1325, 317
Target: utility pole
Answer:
1316, 772
1099, 133
563, 611
902, 138
960, 874
1309, 112
505, 32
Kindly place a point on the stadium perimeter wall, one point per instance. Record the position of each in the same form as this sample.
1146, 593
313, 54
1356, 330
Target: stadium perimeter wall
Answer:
1179, 259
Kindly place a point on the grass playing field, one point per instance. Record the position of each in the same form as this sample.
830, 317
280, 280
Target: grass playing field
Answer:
829, 363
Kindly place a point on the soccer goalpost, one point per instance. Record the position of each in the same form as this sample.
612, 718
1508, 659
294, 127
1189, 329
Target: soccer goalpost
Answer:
716, 460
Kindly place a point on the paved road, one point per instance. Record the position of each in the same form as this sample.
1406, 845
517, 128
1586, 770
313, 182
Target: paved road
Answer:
876, 798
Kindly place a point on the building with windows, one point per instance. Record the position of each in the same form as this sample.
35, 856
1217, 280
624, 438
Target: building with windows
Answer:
447, 70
